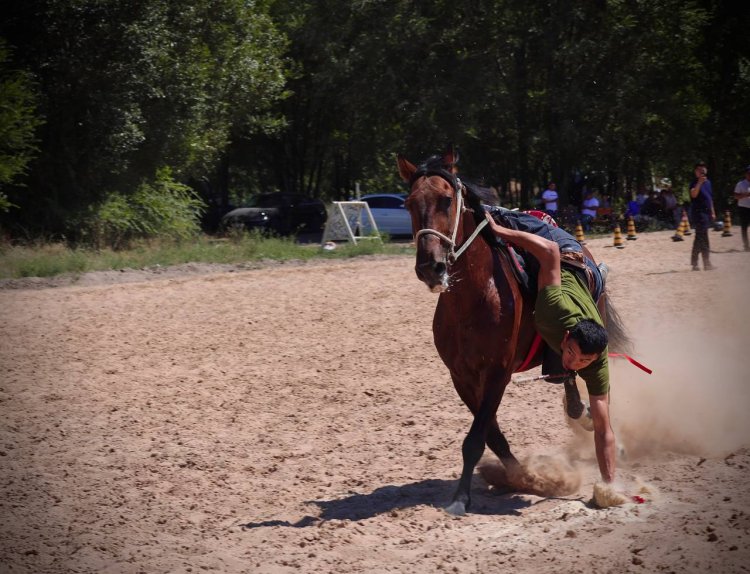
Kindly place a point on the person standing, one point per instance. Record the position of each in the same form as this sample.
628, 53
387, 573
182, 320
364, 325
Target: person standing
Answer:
742, 195
589, 209
702, 211
672, 211
549, 197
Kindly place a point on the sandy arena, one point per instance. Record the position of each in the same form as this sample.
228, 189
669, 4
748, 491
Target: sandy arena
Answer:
296, 418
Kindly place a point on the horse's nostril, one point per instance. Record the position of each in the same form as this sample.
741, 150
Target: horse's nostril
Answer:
432, 272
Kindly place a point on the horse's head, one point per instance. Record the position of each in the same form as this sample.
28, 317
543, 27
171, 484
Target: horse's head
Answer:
433, 203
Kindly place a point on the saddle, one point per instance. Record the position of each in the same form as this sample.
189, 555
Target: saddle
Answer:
519, 265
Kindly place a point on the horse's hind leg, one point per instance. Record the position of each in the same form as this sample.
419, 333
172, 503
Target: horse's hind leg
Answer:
499, 445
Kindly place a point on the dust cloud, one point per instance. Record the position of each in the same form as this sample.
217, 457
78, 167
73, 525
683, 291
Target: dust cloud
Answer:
698, 397
543, 475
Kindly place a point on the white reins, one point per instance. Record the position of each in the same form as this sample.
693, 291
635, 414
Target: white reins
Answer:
451, 241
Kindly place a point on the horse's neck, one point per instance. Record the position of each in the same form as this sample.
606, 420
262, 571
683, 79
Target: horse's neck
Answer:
475, 266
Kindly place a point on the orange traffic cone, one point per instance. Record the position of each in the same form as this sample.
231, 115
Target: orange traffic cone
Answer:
678, 234
727, 224
631, 230
618, 238
580, 237
685, 223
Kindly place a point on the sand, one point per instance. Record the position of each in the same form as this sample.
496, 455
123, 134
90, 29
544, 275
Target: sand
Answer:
296, 418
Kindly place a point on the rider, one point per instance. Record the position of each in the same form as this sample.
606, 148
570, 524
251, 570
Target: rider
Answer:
568, 320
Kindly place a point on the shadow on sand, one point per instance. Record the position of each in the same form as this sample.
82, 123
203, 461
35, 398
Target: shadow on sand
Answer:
389, 498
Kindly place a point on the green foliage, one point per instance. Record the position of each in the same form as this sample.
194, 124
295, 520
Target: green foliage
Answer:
127, 88
164, 208
41, 260
530, 92
5, 204
50, 259
18, 122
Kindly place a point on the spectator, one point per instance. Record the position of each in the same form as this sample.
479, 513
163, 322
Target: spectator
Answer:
588, 209
702, 211
672, 211
650, 207
742, 194
641, 196
634, 209
549, 197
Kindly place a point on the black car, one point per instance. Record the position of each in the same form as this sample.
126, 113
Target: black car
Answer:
280, 213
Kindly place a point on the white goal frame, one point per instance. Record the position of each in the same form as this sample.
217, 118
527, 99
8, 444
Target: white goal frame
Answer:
345, 218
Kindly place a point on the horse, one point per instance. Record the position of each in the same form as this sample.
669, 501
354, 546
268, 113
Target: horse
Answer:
483, 326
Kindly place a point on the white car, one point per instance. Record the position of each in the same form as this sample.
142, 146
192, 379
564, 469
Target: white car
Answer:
389, 213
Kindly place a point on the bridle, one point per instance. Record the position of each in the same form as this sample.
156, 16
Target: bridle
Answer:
459, 189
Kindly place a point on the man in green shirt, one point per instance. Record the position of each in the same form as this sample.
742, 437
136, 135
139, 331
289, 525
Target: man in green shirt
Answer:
568, 320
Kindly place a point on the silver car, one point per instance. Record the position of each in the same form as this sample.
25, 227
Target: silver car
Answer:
389, 213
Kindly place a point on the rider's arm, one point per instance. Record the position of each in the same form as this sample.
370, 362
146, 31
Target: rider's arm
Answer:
696, 189
604, 437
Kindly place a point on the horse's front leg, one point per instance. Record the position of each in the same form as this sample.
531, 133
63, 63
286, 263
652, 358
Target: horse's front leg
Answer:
473, 445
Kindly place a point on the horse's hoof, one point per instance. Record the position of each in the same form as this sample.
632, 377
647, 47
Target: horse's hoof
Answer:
456, 508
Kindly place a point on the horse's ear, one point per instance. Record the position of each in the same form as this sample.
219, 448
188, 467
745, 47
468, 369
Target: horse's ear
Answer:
450, 157
405, 168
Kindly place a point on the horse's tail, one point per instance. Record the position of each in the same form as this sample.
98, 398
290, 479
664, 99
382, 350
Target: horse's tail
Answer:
619, 341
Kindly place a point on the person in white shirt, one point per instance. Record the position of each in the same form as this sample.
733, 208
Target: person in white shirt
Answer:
742, 195
588, 210
549, 197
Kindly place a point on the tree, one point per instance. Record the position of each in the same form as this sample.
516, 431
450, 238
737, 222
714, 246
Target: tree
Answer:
18, 122
723, 137
128, 88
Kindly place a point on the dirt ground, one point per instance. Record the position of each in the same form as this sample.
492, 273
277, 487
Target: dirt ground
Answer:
296, 418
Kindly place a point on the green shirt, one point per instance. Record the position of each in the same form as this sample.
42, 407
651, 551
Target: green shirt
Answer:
558, 309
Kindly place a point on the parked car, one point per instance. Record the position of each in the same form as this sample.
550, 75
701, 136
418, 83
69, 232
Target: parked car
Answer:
280, 213
389, 214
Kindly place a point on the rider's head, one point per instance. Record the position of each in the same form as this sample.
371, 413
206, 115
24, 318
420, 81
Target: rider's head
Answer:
583, 344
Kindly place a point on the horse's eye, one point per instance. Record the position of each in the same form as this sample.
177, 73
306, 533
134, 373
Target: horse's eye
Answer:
444, 203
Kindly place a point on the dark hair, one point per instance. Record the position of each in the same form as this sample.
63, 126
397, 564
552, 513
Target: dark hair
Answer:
590, 336
701, 164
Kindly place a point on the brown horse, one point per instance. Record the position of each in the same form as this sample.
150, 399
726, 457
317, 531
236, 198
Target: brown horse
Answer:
483, 326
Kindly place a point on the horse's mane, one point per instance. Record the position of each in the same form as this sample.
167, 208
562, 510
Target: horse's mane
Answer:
475, 194
435, 165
